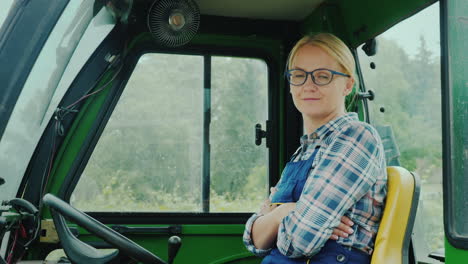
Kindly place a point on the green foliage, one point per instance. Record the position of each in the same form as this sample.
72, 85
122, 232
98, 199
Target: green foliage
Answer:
433, 222
123, 199
256, 185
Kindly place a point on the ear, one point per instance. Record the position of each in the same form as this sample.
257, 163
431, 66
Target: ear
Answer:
349, 86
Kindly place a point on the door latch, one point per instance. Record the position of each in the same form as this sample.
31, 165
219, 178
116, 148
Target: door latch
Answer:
259, 134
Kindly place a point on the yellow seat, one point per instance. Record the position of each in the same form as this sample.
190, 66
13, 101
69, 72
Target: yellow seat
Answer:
394, 235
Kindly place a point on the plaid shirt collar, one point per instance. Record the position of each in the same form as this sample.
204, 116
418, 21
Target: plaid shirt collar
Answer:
324, 130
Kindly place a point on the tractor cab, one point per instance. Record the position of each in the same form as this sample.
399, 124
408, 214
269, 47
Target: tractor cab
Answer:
149, 131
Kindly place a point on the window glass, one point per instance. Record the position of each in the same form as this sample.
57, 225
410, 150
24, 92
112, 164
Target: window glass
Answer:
151, 155
238, 166
406, 82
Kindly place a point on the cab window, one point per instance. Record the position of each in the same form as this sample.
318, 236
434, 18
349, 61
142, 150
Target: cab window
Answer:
405, 76
180, 139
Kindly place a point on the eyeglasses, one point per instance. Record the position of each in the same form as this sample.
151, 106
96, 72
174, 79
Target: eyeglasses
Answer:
320, 77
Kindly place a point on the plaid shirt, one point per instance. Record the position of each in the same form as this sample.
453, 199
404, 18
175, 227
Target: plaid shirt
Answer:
348, 177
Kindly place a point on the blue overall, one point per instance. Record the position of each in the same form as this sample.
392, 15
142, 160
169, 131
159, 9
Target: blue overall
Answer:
289, 190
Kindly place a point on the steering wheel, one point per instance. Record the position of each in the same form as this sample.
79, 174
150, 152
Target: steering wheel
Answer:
80, 252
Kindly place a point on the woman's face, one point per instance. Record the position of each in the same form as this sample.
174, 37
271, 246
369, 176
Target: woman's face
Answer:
319, 102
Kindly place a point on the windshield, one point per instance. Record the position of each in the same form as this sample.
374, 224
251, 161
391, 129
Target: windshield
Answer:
61, 45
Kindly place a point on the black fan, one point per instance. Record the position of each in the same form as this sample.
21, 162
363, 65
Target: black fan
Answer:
173, 23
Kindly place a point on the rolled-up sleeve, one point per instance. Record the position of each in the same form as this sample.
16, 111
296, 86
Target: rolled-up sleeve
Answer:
344, 174
248, 238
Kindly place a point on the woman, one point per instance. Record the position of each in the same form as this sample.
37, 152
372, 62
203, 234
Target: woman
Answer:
337, 173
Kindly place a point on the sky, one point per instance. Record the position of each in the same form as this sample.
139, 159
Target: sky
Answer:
406, 33
425, 23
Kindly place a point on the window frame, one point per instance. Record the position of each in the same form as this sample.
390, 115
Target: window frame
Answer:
106, 110
361, 103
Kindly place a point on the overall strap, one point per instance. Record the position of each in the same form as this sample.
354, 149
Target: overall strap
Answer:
299, 150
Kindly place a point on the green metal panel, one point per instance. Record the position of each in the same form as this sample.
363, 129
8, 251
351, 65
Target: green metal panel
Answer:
326, 18
454, 255
357, 21
454, 31
200, 244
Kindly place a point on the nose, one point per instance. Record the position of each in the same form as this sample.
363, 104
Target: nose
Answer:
309, 83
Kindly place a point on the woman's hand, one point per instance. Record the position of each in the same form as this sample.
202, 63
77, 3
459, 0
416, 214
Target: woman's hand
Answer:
266, 207
273, 191
343, 230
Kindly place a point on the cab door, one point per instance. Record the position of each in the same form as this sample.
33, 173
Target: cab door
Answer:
454, 40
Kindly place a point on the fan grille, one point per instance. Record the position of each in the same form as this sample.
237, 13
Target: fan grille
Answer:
163, 32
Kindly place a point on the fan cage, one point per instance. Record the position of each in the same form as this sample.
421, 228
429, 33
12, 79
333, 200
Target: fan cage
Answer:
161, 30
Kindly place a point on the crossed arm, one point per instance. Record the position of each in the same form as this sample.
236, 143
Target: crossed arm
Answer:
265, 228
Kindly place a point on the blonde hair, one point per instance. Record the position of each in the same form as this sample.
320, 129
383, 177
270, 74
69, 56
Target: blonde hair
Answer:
333, 46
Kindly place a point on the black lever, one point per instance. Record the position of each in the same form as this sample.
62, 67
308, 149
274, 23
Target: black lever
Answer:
259, 134
370, 47
174, 244
366, 95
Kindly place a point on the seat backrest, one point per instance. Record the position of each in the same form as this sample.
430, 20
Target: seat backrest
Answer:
394, 235
392, 152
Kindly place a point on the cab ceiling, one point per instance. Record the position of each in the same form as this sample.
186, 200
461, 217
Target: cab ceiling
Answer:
292, 10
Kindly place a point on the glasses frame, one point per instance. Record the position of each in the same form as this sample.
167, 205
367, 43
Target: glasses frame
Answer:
288, 74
